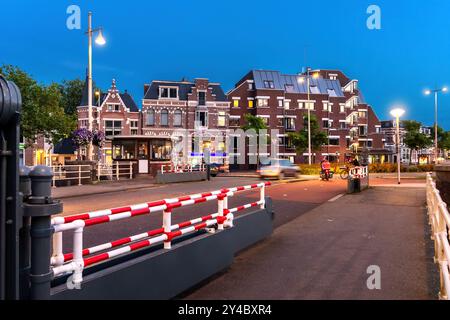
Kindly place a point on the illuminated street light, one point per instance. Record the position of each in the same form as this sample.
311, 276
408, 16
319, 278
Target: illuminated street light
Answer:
429, 92
397, 113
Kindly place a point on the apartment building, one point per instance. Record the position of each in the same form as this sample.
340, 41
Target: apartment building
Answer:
282, 100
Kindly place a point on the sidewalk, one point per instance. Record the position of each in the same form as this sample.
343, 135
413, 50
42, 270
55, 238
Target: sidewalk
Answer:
104, 187
325, 253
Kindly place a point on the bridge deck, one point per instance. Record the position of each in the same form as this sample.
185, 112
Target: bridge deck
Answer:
325, 253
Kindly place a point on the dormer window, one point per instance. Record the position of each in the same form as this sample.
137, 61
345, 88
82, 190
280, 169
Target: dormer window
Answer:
168, 93
269, 84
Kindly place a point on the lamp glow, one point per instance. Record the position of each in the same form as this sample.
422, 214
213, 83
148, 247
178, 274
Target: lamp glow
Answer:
301, 80
316, 75
100, 40
427, 92
397, 112
444, 89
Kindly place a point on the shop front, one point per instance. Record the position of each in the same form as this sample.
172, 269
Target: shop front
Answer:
149, 153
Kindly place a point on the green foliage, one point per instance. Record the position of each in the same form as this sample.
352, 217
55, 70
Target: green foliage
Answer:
392, 168
71, 93
253, 122
414, 139
42, 112
300, 139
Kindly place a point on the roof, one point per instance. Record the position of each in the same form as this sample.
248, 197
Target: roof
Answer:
184, 88
65, 146
129, 102
282, 81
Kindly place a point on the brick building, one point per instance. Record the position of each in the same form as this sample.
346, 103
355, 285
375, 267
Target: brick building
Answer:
182, 111
114, 113
282, 100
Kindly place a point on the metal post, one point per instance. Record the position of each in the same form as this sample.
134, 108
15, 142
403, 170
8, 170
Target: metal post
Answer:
117, 170
24, 237
398, 149
436, 155
79, 175
131, 170
40, 207
167, 222
220, 210
309, 119
262, 196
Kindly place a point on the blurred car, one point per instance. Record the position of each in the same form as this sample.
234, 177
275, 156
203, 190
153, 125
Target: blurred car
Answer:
279, 168
216, 168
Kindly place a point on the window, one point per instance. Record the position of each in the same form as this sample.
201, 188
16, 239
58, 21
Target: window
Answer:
286, 105
333, 141
280, 103
343, 125
134, 127
369, 144
362, 130
160, 149
234, 122
331, 93
309, 105
268, 84
164, 117
150, 117
113, 127
342, 108
113, 107
300, 105
250, 104
201, 118
124, 149
202, 98
289, 88
167, 92
362, 114
250, 86
221, 119
289, 123
263, 102
377, 129
325, 106
236, 103
325, 123
177, 118
84, 123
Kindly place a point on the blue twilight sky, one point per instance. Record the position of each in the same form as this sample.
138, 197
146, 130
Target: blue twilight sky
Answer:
223, 39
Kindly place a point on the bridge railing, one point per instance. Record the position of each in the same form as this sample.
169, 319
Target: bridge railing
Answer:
439, 219
79, 258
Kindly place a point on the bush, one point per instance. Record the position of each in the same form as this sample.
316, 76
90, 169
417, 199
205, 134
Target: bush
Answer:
392, 167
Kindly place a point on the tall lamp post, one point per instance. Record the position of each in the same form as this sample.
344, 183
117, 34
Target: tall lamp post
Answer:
308, 105
397, 113
429, 92
100, 40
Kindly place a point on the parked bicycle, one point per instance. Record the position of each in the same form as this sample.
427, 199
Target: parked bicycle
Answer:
344, 172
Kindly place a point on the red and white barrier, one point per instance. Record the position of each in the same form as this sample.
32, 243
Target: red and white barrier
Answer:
359, 172
75, 262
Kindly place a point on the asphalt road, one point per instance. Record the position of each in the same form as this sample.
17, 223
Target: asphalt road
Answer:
290, 201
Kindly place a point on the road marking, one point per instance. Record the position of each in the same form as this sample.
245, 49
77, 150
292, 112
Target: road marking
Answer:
337, 197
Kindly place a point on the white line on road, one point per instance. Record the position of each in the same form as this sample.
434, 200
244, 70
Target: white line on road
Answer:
337, 197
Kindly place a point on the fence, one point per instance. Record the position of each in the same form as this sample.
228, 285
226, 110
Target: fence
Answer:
81, 258
116, 170
71, 174
179, 168
439, 219
83, 174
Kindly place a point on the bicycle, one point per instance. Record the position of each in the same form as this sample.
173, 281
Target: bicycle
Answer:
344, 172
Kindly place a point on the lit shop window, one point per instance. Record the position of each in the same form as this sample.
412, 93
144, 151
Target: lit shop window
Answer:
235, 103
221, 119
250, 104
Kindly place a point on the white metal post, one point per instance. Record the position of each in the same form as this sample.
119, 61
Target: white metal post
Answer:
58, 256
90, 120
262, 195
398, 149
117, 170
167, 222
79, 175
78, 252
220, 198
131, 170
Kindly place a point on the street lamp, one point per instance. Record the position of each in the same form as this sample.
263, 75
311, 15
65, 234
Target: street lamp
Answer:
429, 92
397, 113
301, 80
100, 40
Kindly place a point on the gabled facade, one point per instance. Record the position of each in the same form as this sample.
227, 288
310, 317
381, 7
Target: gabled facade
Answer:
282, 101
185, 110
114, 113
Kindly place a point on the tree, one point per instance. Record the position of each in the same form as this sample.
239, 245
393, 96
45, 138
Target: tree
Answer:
71, 94
300, 139
414, 139
255, 123
443, 139
42, 113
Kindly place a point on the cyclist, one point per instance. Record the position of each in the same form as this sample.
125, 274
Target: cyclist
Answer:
325, 166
